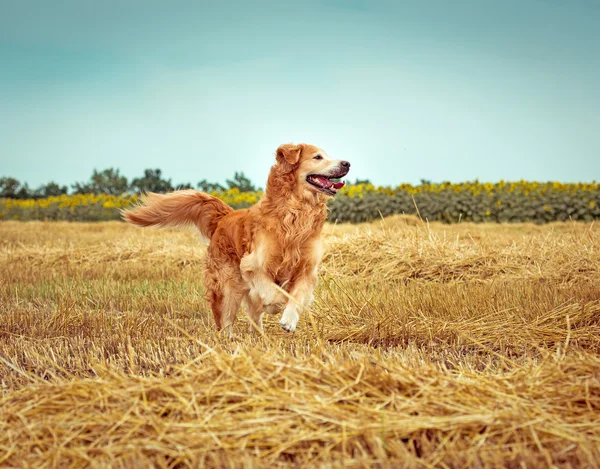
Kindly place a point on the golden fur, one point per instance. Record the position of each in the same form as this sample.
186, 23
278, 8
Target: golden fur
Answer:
275, 242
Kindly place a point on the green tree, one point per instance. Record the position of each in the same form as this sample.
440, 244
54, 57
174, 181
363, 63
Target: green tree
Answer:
362, 181
151, 182
109, 181
49, 190
241, 182
184, 185
11, 188
206, 186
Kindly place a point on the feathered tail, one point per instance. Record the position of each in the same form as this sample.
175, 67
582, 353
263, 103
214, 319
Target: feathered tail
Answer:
179, 208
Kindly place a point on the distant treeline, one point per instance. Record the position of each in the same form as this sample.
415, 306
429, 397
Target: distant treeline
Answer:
110, 181
520, 201
107, 191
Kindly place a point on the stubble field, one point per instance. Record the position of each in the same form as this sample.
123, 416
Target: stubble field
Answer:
427, 346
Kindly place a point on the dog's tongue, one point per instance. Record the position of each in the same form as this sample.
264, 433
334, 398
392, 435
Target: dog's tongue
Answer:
327, 184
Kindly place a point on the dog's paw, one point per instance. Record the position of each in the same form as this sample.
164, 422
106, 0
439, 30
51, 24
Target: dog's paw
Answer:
289, 319
272, 297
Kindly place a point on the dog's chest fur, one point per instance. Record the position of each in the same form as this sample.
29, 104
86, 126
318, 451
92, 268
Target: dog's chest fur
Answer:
285, 239
285, 259
286, 249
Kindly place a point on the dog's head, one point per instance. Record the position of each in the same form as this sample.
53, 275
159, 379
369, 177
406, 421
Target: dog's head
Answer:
313, 169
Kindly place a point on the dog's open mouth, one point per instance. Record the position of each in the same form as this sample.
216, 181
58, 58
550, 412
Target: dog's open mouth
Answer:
327, 184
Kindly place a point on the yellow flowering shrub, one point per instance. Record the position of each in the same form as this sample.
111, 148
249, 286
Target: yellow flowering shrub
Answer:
476, 201
471, 201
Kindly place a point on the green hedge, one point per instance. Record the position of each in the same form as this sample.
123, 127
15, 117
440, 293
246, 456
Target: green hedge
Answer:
449, 206
449, 203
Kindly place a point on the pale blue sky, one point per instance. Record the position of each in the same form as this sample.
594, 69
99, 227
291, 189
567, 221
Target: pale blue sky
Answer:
437, 89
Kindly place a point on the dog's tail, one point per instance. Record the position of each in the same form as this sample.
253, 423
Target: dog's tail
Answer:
179, 208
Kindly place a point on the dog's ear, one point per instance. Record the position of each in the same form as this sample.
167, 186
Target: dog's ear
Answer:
289, 153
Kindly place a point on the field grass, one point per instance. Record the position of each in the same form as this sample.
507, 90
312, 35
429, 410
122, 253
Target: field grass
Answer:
428, 346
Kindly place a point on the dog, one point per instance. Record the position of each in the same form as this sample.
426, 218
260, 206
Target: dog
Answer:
266, 256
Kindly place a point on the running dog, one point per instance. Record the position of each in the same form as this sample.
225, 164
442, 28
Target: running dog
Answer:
267, 255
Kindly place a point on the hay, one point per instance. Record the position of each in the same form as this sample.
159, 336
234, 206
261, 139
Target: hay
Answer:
432, 346
246, 408
397, 250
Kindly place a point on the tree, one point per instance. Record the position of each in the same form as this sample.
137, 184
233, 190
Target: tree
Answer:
49, 190
362, 181
184, 185
206, 186
151, 182
108, 181
11, 188
241, 182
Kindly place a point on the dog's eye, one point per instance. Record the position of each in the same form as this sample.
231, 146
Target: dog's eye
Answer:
318, 157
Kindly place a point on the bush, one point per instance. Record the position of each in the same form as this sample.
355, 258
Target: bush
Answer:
91, 207
449, 203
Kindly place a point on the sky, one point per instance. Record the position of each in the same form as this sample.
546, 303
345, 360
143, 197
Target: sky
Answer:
405, 90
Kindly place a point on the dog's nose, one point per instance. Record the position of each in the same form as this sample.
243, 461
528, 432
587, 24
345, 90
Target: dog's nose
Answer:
345, 164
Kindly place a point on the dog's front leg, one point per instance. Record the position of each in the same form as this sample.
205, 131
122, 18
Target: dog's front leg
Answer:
302, 293
262, 286
263, 289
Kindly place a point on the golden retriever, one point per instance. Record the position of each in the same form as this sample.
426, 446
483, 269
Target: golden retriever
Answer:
276, 242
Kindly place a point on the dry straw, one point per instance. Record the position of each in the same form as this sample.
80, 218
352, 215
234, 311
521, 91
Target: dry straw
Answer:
428, 346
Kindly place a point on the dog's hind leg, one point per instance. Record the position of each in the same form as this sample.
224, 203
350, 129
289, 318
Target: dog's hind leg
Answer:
255, 311
232, 300
224, 292
225, 302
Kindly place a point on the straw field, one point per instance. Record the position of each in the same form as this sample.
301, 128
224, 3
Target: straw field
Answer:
467, 345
